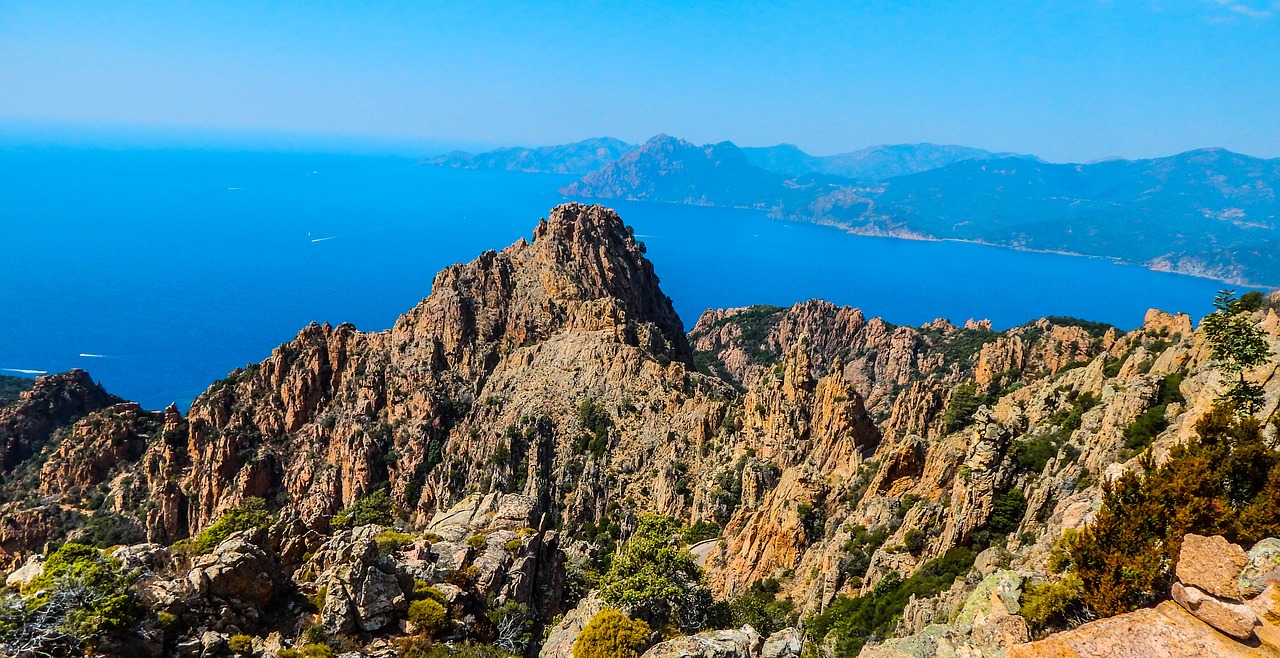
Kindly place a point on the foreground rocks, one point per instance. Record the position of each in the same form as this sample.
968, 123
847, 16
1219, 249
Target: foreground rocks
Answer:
1217, 610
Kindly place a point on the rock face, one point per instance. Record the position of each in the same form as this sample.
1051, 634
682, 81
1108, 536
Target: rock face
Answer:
55, 401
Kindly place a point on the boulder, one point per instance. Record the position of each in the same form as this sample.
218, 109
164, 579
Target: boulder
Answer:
1262, 568
147, 557
236, 570
1235, 619
26, 573
361, 587
740, 643
1212, 565
785, 643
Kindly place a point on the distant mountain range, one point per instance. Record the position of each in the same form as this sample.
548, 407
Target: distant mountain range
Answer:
578, 158
874, 163
1208, 212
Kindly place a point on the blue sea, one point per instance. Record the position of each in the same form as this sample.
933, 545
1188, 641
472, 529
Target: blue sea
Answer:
160, 270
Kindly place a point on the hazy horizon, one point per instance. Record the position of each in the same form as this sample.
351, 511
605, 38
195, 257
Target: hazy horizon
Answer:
1068, 82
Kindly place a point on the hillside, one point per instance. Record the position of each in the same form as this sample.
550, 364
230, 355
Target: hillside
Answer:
869, 164
1209, 213
482, 478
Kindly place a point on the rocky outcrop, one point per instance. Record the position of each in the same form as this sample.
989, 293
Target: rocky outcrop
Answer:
54, 401
1206, 617
741, 643
1165, 630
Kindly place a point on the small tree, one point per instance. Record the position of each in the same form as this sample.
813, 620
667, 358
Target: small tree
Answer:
611, 634
1237, 345
652, 575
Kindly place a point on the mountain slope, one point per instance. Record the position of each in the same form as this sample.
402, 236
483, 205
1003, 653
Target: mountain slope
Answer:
872, 163
577, 158
1209, 212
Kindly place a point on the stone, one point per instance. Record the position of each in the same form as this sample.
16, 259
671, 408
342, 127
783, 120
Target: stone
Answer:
29, 571
1235, 619
1262, 569
739, 643
785, 643
1212, 564
236, 569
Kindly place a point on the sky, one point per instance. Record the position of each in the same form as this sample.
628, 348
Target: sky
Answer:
1068, 81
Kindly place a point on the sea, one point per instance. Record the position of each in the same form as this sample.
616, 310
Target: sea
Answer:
159, 270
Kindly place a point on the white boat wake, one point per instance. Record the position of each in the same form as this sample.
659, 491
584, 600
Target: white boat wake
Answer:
25, 371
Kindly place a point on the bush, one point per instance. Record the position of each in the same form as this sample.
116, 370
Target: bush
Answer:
595, 422
860, 547
313, 650
1226, 481
761, 608
701, 531
250, 515
374, 508
651, 573
428, 616
477, 541
240, 644
391, 542
1053, 602
611, 634
963, 404
79, 598
1007, 512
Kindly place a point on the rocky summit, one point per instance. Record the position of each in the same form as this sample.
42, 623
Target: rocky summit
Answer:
538, 460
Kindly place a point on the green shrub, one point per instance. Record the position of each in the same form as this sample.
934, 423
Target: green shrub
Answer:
862, 544
374, 508
250, 515
424, 590
595, 422
701, 531
80, 592
963, 404
1050, 603
477, 541
391, 542
1007, 512
762, 609
652, 573
611, 634
428, 616
240, 644
914, 541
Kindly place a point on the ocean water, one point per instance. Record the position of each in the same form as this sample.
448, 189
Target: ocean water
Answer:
159, 271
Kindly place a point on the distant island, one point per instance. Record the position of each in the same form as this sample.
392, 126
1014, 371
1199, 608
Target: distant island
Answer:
1207, 212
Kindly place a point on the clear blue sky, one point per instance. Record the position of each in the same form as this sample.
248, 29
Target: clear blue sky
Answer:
1068, 81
